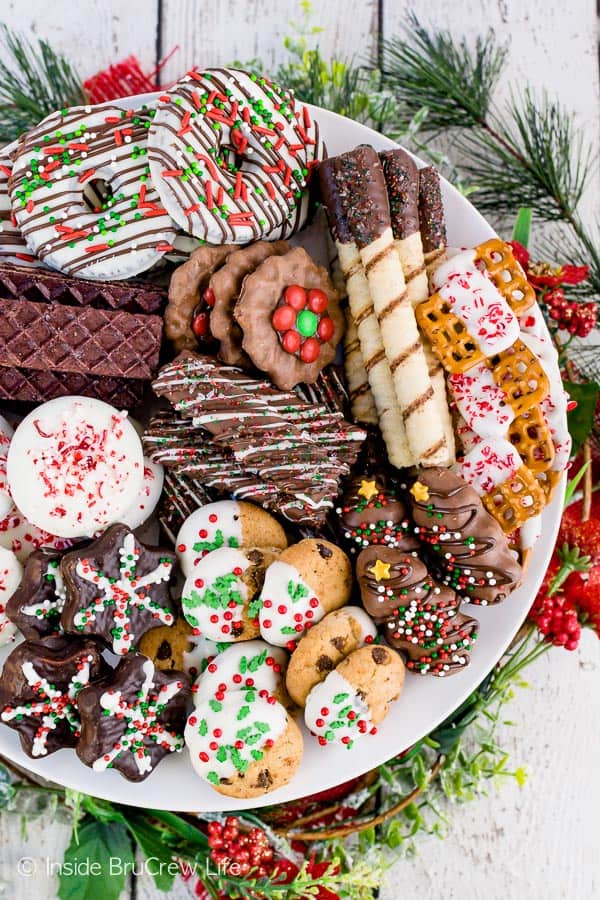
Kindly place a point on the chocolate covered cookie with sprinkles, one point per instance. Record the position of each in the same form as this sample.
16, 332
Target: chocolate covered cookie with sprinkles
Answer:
466, 547
418, 616
371, 512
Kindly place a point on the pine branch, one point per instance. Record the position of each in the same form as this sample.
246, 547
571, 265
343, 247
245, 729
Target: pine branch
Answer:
453, 83
528, 154
534, 156
34, 81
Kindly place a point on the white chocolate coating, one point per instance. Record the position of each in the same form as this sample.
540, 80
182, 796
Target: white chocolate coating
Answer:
248, 663
75, 465
208, 528
288, 603
214, 594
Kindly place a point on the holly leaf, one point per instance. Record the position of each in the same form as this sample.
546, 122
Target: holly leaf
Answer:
581, 419
101, 844
522, 226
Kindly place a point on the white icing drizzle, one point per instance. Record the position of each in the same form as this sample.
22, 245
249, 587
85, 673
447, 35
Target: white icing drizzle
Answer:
247, 664
288, 605
120, 595
141, 721
335, 712
60, 702
490, 463
40, 610
227, 736
208, 528
214, 595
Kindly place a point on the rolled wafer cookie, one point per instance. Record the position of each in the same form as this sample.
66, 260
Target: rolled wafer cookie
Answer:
361, 184
361, 396
375, 362
402, 180
431, 219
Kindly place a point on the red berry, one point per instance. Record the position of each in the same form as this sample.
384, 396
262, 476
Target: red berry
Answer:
209, 297
295, 296
291, 342
317, 300
326, 329
201, 325
310, 350
284, 318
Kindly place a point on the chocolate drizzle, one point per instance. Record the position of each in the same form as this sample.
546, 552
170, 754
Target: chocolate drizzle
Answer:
419, 617
468, 549
372, 513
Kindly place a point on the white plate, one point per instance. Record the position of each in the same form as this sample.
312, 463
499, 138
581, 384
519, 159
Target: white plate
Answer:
424, 703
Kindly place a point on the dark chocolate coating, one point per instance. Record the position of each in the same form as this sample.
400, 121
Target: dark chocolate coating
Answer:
402, 180
37, 588
101, 732
431, 210
385, 511
353, 187
103, 554
57, 659
469, 549
330, 192
417, 615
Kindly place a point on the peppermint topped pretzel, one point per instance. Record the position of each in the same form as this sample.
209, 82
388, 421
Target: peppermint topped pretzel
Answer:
231, 154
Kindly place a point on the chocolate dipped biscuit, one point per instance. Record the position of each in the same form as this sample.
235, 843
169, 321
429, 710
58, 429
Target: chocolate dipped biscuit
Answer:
466, 545
187, 293
133, 718
418, 616
372, 513
117, 589
36, 606
39, 686
289, 313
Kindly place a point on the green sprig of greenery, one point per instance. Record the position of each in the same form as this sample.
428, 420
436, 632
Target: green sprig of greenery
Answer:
35, 80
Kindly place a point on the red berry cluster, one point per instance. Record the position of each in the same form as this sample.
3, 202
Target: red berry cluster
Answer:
237, 853
557, 620
301, 323
577, 318
201, 316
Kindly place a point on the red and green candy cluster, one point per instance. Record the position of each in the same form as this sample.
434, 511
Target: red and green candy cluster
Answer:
302, 323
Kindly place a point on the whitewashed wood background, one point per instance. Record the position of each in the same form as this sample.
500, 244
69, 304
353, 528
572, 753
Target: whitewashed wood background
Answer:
537, 842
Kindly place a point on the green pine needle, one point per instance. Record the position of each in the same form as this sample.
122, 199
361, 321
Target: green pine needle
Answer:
428, 69
34, 81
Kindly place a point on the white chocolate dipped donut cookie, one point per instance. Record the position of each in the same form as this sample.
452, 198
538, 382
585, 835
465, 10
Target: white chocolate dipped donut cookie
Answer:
115, 231
226, 523
249, 664
75, 465
230, 154
13, 247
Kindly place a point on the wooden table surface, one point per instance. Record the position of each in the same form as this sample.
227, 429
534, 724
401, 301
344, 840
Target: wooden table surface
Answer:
539, 841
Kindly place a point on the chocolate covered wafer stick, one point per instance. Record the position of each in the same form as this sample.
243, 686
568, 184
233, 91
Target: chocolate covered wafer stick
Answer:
362, 309
431, 219
402, 180
363, 195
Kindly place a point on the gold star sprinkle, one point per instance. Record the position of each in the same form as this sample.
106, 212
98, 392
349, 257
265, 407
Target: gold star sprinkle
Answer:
368, 489
380, 570
420, 492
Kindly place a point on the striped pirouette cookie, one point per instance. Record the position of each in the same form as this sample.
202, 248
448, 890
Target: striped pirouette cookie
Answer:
363, 198
402, 180
300, 448
361, 396
361, 305
431, 219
